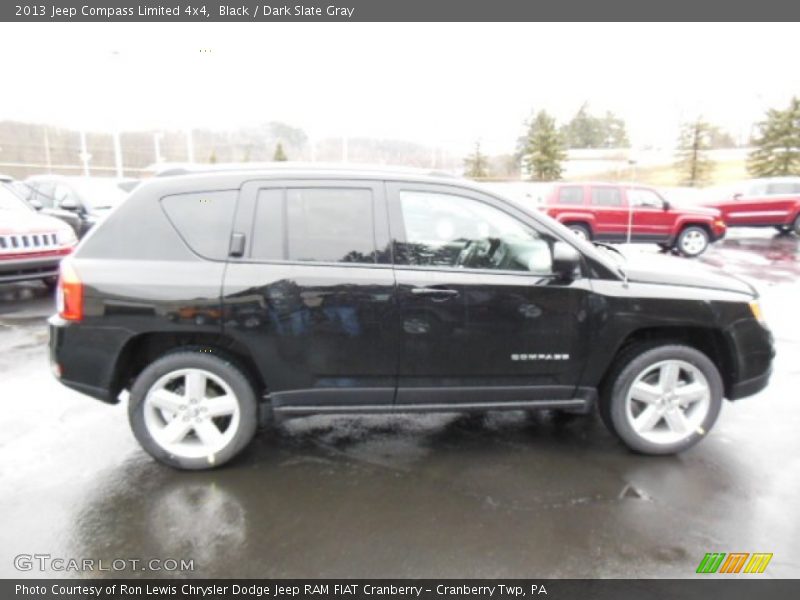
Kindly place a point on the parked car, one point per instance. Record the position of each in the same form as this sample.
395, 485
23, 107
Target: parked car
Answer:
31, 245
606, 211
355, 291
772, 202
79, 201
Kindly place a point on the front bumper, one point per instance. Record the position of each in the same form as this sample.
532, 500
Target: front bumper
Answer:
750, 386
26, 269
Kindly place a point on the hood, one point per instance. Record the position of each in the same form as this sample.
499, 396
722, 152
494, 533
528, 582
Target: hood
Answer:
23, 221
672, 270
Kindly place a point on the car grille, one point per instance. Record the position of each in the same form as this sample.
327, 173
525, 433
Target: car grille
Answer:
28, 242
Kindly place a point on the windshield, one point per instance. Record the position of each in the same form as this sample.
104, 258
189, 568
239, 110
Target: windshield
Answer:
9, 200
99, 193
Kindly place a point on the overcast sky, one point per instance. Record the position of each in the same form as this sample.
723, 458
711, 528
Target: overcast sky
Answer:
442, 84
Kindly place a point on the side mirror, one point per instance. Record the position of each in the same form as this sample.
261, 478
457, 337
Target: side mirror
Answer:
566, 260
667, 205
35, 204
738, 196
68, 204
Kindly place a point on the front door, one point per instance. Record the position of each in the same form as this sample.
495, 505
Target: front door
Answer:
482, 318
310, 290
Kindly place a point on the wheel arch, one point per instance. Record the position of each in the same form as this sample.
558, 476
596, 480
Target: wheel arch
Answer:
707, 340
141, 350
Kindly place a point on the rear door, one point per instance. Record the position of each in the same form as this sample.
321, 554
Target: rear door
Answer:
651, 222
310, 291
611, 212
765, 203
482, 318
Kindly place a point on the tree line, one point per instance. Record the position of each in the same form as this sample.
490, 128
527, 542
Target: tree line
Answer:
542, 151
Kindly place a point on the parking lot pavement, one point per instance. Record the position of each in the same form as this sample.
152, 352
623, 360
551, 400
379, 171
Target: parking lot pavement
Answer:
500, 495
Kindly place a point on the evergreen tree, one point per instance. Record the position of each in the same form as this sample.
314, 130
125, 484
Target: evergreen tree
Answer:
588, 131
544, 149
476, 164
777, 147
280, 155
693, 162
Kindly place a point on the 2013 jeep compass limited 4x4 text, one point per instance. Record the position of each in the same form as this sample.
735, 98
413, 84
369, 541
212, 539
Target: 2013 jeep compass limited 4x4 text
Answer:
219, 298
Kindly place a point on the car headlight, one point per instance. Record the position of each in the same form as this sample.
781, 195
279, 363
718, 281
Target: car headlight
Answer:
66, 237
755, 308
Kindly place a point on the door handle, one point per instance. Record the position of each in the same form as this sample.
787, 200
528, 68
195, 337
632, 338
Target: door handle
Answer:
433, 291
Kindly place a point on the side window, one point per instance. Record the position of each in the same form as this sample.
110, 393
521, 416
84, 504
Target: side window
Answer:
61, 193
314, 225
781, 188
451, 231
606, 196
646, 198
203, 220
570, 194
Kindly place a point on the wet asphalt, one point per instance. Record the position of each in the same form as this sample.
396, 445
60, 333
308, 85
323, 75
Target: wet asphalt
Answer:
446, 495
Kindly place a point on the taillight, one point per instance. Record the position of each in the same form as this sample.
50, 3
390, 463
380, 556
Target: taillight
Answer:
69, 296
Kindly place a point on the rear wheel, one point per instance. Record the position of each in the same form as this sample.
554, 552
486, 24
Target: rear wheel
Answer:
692, 241
796, 225
662, 400
582, 231
193, 410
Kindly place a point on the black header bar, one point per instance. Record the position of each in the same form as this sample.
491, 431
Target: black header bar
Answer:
398, 10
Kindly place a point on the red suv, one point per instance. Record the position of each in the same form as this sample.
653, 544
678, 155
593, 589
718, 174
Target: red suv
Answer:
620, 213
31, 245
773, 202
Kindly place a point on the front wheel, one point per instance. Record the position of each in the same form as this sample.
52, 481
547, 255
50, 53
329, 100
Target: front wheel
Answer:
582, 231
692, 241
193, 410
662, 400
796, 225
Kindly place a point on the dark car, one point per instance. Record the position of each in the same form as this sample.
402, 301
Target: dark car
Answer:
79, 201
618, 213
31, 245
218, 299
770, 202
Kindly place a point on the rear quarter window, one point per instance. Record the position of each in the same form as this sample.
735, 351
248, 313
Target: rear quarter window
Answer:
203, 220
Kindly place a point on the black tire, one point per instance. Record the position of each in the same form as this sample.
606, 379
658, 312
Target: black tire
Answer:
796, 225
580, 230
50, 282
783, 229
219, 366
627, 368
693, 233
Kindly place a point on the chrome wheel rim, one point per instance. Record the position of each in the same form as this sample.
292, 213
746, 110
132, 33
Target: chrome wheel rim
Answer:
580, 232
693, 242
668, 402
191, 413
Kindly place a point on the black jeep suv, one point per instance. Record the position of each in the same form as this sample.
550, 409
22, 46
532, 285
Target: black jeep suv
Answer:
217, 299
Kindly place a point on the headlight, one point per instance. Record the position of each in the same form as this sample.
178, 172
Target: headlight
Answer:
66, 237
755, 308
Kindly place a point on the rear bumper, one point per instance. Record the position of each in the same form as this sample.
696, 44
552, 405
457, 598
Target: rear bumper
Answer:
87, 366
26, 269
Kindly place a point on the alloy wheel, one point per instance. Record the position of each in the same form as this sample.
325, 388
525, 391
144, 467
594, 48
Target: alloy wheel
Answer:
668, 402
191, 413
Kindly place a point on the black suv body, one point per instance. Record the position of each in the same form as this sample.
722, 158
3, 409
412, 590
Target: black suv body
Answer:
218, 298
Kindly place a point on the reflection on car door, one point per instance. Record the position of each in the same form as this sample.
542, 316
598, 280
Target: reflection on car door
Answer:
310, 288
477, 324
